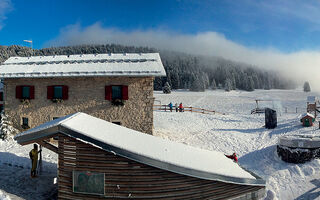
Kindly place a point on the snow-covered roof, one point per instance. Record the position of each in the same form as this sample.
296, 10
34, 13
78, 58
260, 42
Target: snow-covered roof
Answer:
144, 148
307, 114
126, 64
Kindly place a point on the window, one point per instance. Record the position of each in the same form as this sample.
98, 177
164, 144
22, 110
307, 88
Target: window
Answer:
57, 92
88, 182
25, 92
55, 118
25, 123
1, 108
1, 96
116, 92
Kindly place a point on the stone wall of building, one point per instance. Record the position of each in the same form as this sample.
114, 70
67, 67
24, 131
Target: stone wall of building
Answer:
85, 95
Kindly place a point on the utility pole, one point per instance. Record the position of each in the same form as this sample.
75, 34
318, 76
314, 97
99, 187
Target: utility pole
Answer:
30, 42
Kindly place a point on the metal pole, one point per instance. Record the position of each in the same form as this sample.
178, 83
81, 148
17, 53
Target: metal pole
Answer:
40, 161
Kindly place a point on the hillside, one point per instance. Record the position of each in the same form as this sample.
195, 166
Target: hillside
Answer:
184, 71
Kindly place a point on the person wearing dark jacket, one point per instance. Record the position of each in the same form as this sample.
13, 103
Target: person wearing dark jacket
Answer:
233, 157
34, 159
170, 106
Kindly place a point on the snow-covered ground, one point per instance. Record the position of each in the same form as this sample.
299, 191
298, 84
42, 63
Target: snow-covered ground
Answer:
237, 131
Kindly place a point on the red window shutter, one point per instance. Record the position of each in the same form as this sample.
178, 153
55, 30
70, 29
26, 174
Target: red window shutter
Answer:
125, 92
19, 92
50, 92
1, 96
65, 90
31, 92
108, 92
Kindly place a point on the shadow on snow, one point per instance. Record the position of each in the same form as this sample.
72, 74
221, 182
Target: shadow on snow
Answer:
16, 180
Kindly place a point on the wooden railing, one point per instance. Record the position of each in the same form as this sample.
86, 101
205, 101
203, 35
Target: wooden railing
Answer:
166, 108
294, 110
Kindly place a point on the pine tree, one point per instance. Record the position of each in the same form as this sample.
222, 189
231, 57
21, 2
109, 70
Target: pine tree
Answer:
6, 128
228, 85
250, 86
166, 88
306, 87
213, 84
197, 84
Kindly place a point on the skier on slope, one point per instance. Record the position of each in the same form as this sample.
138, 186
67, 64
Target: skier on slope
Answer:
176, 106
233, 157
34, 159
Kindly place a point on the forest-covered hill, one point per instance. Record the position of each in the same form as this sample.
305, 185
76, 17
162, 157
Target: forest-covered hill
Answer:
184, 71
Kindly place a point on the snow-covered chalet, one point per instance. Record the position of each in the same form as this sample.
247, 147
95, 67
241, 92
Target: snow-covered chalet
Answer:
115, 87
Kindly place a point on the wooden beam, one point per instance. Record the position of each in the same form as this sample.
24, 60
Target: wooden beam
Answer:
40, 139
48, 146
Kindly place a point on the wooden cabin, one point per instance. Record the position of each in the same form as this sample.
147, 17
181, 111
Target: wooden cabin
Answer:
101, 160
307, 119
115, 87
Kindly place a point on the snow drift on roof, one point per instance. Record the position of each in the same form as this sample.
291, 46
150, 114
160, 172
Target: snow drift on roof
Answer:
146, 64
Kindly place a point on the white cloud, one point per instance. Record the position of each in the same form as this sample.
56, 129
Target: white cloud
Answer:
302, 65
5, 8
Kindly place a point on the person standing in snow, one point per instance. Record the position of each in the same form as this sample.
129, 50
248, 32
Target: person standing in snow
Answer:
180, 107
233, 157
34, 159
170, 106
176, 106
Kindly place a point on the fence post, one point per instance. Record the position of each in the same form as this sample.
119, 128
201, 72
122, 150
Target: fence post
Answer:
165, 108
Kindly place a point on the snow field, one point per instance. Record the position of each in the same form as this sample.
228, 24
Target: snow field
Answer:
239, 131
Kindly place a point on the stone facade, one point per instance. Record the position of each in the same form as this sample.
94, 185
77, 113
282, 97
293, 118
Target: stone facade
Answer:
86, 94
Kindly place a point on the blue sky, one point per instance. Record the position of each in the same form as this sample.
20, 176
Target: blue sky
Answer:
282, 35
284, 25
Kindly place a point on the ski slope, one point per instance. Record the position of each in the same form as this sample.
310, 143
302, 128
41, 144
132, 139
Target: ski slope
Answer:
237, 131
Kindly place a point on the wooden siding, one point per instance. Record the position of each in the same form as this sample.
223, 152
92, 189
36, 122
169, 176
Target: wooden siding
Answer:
125, 178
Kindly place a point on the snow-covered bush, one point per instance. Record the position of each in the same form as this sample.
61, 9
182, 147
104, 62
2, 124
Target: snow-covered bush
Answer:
6, 128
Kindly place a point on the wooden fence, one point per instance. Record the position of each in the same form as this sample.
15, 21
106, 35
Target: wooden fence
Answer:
166, 108
294, 110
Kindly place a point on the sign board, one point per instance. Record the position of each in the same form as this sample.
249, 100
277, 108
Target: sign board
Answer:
311, 99
88, 182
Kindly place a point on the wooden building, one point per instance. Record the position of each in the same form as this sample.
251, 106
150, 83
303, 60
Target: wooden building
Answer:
101, 160
114, 87
307, 119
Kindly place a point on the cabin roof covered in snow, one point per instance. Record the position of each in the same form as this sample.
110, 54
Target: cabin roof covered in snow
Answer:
144, 148
131, 64
307, 115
